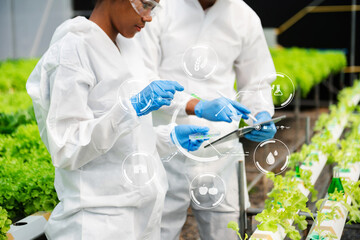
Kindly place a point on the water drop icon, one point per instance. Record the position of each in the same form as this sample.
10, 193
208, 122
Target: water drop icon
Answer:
270, 159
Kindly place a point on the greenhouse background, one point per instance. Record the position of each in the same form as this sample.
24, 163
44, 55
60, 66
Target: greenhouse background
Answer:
314, 44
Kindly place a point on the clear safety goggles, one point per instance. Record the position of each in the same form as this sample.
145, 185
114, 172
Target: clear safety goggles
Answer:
146, 8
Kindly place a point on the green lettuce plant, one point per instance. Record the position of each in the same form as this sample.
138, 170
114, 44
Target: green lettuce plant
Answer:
234, 226
5, 223
352, 190
26, 173
283, 203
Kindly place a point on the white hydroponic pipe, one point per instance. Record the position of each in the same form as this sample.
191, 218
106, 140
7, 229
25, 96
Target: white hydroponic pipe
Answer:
336, 226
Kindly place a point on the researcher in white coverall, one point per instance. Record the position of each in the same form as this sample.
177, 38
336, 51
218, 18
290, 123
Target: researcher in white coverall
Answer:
94, 119
233, 31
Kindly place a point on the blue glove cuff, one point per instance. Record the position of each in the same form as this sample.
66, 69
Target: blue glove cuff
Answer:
133, 101
198, 109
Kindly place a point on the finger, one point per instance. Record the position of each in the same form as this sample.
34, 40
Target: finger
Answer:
178, 86
168, 95
165, 86
199, 129
263, 136
173, 86
244, 116
225, 113
254, 138
163, 101
193, 145
225, 117
259, 133
242, 109
236, 112
196, 142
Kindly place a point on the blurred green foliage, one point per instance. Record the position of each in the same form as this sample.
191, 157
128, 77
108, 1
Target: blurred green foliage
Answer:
14, 73
26, 173
16, 105
14, 101
305, 67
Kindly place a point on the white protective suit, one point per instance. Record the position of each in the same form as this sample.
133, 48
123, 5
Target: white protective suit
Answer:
234, 31
89, 128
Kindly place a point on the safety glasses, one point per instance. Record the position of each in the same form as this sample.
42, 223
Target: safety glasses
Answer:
145, 8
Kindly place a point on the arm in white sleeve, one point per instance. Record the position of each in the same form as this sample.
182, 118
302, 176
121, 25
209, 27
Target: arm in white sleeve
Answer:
255, 70
164, 144
75, 135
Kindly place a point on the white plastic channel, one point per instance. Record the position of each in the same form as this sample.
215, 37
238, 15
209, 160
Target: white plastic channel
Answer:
28, 228
336, 226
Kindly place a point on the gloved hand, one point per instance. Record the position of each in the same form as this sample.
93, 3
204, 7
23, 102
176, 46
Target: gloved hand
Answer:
154, 96
267, 131
220, 109
182, 133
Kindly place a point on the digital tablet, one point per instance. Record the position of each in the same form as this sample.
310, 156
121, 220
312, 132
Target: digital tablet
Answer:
240, 132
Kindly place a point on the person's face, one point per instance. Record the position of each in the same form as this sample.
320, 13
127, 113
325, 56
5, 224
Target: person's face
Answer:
126, 20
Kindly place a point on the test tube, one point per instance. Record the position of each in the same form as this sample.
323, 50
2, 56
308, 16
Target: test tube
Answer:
207, 136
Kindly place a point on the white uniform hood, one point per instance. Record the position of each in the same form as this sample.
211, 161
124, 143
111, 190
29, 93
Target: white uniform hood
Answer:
78, 26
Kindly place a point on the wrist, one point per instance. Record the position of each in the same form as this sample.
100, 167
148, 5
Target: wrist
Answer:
190, 106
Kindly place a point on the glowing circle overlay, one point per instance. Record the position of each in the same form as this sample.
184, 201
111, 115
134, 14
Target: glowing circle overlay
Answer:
287, 78
207, 190
138, 169
185, 152
200, 62
265, 155
130, 88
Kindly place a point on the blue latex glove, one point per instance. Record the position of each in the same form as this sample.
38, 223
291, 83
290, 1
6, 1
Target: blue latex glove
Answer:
220, 109
267, 131
182, 133
154, 96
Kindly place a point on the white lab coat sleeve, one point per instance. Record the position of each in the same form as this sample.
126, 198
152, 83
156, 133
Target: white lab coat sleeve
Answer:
164, 144
150, 40
75, 135
255, 69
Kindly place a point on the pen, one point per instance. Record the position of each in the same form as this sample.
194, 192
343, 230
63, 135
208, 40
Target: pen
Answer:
252, 117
